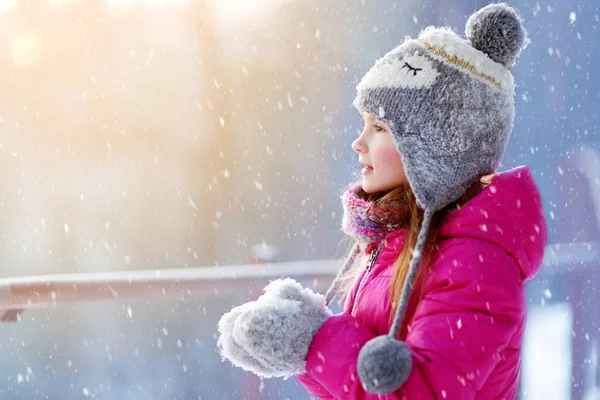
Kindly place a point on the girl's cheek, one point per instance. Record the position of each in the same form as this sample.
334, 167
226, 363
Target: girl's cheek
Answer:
387, 156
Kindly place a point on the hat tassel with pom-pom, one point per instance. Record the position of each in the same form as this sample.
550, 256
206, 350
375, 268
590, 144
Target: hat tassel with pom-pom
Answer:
385, 363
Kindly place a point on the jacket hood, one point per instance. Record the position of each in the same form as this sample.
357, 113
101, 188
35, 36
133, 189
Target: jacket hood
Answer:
507, 213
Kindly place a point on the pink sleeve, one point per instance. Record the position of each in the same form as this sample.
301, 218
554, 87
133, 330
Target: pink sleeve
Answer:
313, 387
472, 301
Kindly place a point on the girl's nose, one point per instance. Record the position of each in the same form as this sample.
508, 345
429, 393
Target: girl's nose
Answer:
358, 145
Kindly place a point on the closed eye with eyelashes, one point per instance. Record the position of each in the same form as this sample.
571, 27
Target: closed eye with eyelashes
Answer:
411, 68
420, 72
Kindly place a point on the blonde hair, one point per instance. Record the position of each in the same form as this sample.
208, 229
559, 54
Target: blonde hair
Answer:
410, 219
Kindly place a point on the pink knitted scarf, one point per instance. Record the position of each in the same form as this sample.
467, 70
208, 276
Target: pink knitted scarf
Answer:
359, 221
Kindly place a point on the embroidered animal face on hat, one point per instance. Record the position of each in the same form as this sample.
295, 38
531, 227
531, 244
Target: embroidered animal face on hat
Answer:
448, 101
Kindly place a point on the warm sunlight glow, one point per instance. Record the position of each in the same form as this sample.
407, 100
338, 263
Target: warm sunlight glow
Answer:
231, 13
24, 50
58, 3
6, 5
121, 3
147, 3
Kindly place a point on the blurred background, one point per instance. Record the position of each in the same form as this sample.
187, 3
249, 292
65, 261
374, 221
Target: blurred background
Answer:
142, 134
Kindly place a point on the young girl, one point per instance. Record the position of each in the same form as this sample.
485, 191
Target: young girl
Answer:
437, 308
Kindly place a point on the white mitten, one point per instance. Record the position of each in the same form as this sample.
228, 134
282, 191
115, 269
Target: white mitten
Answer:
234, 352
276, 330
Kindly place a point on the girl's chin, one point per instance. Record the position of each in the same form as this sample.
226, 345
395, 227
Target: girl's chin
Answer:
369, 187
372, 187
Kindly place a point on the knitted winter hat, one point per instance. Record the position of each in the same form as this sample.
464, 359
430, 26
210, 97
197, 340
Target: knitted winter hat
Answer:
450, 105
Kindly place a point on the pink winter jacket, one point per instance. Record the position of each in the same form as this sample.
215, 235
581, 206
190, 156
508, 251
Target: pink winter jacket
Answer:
466, 331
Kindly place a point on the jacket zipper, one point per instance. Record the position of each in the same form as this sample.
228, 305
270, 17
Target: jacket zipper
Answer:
372, 260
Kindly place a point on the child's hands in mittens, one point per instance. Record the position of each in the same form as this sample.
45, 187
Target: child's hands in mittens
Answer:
234, 352
275, 331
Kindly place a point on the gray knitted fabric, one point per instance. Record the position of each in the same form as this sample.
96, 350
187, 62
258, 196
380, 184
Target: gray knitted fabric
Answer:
450, 125
450, 105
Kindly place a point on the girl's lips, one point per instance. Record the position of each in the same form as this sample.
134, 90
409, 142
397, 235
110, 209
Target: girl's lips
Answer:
366, 170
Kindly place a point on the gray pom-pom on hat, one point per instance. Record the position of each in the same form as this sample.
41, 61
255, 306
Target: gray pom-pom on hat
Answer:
384, 364
497, 30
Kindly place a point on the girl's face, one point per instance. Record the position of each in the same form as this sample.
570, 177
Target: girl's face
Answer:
377, 152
